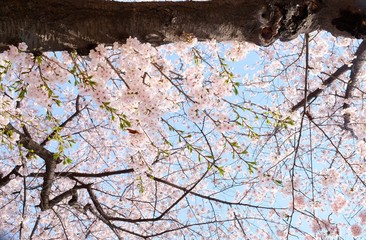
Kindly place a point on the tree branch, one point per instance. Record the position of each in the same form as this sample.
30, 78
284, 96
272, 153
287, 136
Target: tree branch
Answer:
84, 175
353, 80
71, 192
5, 180
47, 156
345, 67
208, 197
62, 125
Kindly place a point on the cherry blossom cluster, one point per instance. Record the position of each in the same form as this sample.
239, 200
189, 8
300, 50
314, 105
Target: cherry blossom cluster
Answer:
170, 141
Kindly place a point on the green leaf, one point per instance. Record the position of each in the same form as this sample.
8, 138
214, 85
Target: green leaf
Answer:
73, 70
39, 59
221, 170
167, 142
235, 144
244, 152
235, 89
67, 161
22, 93
278, 182
189, 147
56, 155
58, 102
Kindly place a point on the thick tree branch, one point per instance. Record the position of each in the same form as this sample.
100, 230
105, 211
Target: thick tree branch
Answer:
33, 146
353, 81
52, 25
318, 91
359, 58
84, 175
47, 156
125, 171
71, 192
110, 218
5, 180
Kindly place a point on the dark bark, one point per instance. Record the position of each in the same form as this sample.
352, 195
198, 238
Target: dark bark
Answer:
14, 173
51, 25
50, 161
354, 78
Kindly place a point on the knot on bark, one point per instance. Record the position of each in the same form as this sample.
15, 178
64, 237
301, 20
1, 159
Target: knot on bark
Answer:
353, 22
298, 19
286, 22
270, 17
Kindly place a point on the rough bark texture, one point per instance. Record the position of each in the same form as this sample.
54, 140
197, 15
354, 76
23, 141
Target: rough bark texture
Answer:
51, 25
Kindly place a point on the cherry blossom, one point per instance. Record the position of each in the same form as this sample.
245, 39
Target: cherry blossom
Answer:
134, 141
356, 230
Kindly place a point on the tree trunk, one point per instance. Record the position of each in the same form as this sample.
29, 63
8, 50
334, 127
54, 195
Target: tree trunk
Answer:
53, 25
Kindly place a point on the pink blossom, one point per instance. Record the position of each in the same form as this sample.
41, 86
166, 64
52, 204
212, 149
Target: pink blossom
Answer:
338, 204
356, 230
362, 217
300, 202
